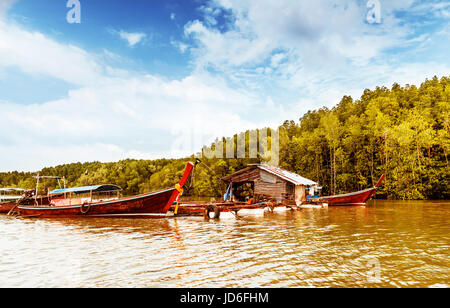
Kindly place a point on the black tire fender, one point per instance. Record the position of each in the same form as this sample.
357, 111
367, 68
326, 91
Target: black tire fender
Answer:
83, 206
212, 208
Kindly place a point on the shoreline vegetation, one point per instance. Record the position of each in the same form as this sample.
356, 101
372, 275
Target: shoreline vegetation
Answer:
403, 132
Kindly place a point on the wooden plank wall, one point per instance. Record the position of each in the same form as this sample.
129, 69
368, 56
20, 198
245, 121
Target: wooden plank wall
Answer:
279, 190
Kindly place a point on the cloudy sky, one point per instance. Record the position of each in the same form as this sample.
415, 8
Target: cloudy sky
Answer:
152, 79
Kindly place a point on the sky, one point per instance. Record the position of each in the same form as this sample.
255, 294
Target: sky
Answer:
159, 79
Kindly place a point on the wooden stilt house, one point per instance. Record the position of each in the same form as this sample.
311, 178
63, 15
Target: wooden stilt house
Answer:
268, 183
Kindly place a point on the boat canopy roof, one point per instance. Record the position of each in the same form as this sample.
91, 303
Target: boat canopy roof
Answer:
87, 189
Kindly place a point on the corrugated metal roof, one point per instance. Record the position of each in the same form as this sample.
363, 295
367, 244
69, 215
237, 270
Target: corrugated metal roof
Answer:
281, 173
286, 175
87, 189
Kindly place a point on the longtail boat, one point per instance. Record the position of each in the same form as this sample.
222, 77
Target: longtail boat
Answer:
354, 198
9, 198
97, 201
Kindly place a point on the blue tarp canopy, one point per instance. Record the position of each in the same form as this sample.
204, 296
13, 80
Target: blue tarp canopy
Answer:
87, 189
227, 196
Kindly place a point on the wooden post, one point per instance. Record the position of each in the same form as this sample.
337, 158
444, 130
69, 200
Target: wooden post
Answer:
231, 192
37, 188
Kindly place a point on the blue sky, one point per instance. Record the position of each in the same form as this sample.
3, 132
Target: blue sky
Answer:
151, 79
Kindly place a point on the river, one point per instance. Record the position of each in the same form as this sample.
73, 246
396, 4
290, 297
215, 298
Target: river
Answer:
385, 244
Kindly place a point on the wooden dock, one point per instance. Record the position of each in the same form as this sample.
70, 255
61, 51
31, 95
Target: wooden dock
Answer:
213, 210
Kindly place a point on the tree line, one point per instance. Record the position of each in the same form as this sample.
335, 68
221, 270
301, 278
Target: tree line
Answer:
402, 132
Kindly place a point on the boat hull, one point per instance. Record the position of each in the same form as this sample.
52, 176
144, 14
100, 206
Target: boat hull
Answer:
5, 207
152, 205
355, 198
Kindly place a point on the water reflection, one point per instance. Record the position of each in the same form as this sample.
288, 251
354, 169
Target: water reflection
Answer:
385, 244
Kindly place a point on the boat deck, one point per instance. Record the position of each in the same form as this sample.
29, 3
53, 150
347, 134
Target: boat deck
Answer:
193, 208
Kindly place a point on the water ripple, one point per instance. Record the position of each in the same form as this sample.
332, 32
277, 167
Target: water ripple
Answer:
387, 244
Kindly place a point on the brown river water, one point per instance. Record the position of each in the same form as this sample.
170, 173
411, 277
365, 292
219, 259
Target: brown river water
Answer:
386, 244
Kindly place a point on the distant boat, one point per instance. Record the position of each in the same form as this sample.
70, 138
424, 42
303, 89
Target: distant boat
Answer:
354, 198
9, 197
98, 201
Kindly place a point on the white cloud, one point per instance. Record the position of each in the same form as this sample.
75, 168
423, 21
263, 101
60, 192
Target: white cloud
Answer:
34, 53
182, 47
320, 32
438, 9
132, 38
274, 61
5, 5
21, 158
145, 114
112, 115
307, 47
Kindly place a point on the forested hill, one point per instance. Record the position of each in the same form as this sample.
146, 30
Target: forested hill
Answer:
403, 132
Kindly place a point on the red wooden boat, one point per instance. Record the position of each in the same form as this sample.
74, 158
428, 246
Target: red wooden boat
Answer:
150, 205
354, 198
9, 198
